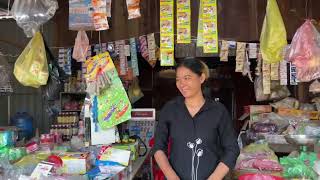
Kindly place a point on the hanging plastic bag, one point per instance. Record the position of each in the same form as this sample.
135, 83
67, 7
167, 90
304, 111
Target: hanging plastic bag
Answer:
133, 8
273, 36
31, 68
81, 46
31, 14
304, 52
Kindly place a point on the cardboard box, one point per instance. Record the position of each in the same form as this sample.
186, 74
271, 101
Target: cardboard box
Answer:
75, 163
312, 115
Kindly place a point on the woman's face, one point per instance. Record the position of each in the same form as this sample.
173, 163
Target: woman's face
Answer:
188, 82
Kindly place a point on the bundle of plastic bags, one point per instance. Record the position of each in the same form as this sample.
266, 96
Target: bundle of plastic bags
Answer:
31, 14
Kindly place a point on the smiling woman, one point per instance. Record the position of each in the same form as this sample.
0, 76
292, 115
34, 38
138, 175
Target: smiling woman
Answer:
198, 127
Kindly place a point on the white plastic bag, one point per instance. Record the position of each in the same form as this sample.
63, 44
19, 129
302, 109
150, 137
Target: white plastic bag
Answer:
31, 14
81, 46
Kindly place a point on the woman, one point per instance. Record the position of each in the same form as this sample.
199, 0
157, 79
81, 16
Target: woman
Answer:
203, 141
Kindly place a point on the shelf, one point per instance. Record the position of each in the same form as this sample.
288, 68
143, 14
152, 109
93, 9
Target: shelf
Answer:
70, 110
82, 93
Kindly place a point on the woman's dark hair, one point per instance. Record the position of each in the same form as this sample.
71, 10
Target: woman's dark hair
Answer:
198, 67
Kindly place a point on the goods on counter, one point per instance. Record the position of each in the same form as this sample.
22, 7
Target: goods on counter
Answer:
259, 177
296, 168
259, 157
75, 162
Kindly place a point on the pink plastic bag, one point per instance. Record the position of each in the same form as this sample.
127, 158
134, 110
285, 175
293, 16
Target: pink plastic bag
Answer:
259, 177
81, 47
304, 52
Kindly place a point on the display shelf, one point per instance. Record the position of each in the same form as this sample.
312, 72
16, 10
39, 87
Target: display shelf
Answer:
71, 110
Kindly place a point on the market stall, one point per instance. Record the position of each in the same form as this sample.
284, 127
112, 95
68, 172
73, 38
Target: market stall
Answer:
95, 123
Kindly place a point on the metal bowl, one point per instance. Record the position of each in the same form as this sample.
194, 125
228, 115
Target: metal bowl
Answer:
301, 139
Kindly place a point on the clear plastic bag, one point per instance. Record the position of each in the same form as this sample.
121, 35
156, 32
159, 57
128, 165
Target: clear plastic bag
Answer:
81, 47
259, 177
278, 91
304, 52
31, 14
31, 68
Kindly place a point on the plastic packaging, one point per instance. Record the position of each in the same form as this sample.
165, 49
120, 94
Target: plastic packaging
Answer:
307, 107
31, 68
81, 46
315, 87
288, 102
264, 127
304, 52
6, 138
258, 89
133, 8
296, 168
31, 14
278, 91
259, 177
273, 37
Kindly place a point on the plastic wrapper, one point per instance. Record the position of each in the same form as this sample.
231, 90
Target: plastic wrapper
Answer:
134, 91
31, 68
6, 138
273, 36
288, 102
304, 52
259, 157
315, 87
312, 131
296, 168
278, 91
259, 177
264, 127
81, 46
31, 14
307, 107
133, 8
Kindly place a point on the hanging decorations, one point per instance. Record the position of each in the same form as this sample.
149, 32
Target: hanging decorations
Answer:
274, 74
167, 32
266, 82
224, 51
89, 15
210, 30
283, 73
99, 15
273, 38
144, 47
134, 58
240, 56
133, 9
123, 58
112, 102
183, 21
64, 60
152, 49
200, 26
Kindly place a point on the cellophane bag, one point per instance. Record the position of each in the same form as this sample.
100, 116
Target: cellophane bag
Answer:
304, 52
31, 67
31, 14
259, 177
81, 46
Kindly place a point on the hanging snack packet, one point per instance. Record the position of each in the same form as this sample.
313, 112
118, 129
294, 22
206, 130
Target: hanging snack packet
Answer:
133, 8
